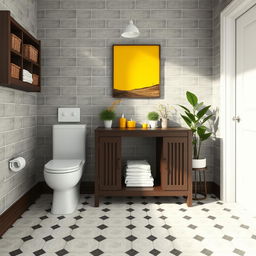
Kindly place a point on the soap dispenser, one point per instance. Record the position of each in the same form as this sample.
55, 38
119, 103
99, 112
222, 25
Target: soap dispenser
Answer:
122, 121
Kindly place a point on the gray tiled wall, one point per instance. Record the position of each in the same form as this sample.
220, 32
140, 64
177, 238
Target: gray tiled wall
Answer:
76, 48
18, 111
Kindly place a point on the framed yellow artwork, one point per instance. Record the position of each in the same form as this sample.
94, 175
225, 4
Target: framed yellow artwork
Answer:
136, 71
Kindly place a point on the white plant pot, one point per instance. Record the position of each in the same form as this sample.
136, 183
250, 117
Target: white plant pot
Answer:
153, 124
199, 163
108, 123
164, 123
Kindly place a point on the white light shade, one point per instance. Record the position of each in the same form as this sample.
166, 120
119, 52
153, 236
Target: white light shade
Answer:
131, 31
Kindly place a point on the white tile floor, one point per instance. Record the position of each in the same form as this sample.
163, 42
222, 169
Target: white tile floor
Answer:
133, 226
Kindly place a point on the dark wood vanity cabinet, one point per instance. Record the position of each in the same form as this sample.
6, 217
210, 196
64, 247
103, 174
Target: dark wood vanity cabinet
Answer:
173, 159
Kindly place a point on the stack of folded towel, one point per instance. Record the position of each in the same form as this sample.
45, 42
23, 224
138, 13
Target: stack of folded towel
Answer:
27, 76
138, 174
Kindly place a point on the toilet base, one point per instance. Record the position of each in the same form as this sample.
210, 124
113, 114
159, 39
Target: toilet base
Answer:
65, 201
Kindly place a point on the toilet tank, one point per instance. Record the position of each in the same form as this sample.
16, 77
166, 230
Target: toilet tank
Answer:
69, 141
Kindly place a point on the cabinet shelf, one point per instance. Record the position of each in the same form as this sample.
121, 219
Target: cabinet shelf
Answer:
8, 55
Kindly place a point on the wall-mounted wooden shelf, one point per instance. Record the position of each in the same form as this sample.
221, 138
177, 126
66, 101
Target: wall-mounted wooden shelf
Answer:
9, 26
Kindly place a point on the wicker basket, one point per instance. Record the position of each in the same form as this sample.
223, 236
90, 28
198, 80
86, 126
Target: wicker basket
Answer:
30, 52
35, 79
16, 43
15, 71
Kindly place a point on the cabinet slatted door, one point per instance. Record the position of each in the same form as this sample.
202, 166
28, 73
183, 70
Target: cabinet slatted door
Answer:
174, 164
110, 163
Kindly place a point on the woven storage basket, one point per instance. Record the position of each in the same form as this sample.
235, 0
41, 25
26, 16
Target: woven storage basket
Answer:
15, 71
35, 79
30, 52
16, 43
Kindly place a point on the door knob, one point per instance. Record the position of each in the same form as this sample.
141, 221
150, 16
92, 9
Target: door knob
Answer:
236, 119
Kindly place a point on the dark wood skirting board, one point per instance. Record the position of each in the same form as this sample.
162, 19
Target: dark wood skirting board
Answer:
20, 206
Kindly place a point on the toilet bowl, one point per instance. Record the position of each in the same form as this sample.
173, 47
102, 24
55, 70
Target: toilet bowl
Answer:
64, 172
63, 176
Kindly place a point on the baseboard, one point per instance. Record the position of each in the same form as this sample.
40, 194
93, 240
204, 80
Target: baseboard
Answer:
18, 208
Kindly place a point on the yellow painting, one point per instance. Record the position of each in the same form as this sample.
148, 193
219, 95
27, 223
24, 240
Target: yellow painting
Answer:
136, 71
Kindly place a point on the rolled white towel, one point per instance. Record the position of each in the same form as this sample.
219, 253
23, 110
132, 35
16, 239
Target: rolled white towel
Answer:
139, 171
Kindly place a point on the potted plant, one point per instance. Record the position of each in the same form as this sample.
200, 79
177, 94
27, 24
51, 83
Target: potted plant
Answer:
108, 114
196, 119
153, 118
164, 111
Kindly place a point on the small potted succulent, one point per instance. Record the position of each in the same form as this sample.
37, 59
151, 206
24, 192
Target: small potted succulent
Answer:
153, 119
108, 114
196, 119
164, 112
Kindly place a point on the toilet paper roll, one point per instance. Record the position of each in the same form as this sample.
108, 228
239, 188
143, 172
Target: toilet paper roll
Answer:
17, 164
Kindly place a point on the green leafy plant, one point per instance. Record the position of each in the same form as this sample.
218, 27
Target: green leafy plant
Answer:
107, 114
153, 116
195, 119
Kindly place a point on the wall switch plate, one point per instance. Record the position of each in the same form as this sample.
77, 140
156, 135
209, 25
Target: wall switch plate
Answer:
69, 115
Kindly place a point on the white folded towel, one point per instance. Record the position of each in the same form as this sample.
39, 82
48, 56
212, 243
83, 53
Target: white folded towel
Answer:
27, 80
143, 164
139, 184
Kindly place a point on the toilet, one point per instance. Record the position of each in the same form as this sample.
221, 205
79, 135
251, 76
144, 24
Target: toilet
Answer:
64, 172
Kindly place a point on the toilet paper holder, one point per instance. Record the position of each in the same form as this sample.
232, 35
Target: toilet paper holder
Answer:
16, 164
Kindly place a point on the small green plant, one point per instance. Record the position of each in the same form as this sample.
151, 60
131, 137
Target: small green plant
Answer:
153, 116
196, 119
107, 115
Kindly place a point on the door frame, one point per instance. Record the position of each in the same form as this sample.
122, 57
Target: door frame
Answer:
228, 95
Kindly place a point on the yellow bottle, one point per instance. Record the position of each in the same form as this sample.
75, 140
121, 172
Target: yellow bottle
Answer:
122, 121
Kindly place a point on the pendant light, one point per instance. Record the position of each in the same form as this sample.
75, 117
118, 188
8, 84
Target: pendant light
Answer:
131, 31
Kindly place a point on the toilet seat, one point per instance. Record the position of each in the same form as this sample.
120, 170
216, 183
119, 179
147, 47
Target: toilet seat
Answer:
63, 166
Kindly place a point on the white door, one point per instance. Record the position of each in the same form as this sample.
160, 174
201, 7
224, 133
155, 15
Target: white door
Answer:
246, 110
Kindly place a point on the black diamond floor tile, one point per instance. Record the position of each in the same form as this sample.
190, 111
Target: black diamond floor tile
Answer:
16, 252
155, 252
218, 226
175, 252
166, 226
129, 210
147, 217
104, 217
78, 217
100, 238
68, 238
48, 238
61, 252
228, 238
206, 252
73, 226
192, 226
26, 238
151, 238
81, 210
130, 217
105, 210
55, 226
36, 226
131, 238
39, 252
198, 238
170, 238
61, 217
43, 217
149, 226
102, 226
132, 252
96, 252
239, 252
131, 226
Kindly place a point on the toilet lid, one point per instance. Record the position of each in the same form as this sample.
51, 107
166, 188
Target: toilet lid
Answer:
63, 166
